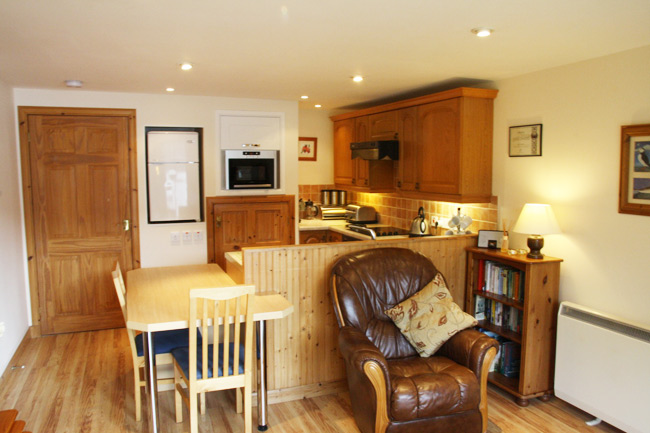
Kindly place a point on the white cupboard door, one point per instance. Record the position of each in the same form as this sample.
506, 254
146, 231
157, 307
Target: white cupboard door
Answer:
174, 192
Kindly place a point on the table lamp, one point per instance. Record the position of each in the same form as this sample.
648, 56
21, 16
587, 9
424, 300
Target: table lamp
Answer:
536, 220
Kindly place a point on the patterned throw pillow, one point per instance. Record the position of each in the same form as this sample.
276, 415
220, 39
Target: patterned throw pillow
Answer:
430, 317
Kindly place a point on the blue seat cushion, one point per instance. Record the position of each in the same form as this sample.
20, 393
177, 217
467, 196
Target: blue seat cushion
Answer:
166, 341
182, 356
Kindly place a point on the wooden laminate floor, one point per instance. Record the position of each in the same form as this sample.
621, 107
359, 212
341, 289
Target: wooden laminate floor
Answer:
83, 382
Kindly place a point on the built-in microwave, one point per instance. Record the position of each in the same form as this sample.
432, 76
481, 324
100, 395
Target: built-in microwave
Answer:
250, 169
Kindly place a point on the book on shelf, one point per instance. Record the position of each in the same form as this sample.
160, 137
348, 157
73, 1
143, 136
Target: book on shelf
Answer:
497, 314
500, 279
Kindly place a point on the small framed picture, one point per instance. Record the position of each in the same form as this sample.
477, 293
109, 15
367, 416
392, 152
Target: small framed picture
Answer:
307, 148
526, 140
634, 185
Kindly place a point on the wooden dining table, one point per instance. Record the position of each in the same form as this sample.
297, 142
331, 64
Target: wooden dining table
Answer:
158, 300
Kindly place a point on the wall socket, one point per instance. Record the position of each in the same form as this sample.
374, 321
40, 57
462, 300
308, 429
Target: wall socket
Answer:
175, 237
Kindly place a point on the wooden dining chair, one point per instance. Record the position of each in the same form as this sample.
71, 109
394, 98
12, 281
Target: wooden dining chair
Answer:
164, 342
226, 362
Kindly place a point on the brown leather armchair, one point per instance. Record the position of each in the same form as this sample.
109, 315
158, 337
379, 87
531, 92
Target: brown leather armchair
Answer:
392, 388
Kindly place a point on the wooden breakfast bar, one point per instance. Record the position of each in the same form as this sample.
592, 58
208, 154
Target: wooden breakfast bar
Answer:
158, 300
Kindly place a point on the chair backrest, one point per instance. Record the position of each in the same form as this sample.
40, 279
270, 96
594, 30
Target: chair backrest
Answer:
366, 283
120, 290
229, 309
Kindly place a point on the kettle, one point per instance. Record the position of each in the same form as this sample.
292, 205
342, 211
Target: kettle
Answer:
310, 210
419, 226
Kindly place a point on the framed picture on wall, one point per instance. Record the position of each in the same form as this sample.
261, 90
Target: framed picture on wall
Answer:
526, 140
634, 187
307, 148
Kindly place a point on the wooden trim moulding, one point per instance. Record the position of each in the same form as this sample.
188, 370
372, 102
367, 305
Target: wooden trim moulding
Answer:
471, 92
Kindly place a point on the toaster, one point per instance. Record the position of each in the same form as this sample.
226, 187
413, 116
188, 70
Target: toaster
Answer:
360, 214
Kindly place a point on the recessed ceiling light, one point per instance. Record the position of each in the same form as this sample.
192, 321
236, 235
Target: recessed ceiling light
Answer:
304, 97
357, 78
170, 89
74, 83
186, 66
482, 32
317, 105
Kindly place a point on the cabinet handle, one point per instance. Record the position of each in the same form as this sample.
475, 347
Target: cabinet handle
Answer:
354, 181
417, 185
399, 183
365, 182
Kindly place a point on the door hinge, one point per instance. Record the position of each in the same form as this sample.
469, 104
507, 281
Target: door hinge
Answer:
217, 221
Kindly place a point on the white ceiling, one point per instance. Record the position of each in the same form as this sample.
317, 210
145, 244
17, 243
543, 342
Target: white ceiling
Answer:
282, 49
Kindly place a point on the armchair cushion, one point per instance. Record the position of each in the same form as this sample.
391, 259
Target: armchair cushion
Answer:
430, 317
430, 387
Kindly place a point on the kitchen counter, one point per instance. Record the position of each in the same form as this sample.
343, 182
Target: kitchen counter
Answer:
339, 226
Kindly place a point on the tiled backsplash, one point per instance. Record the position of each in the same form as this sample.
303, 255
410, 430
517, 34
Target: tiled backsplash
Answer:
399, 212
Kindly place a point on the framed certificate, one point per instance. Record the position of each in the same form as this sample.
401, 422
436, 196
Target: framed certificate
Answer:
526, 140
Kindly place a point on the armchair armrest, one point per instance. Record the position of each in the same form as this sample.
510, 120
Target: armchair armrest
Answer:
368, 379
468, 348
356, 349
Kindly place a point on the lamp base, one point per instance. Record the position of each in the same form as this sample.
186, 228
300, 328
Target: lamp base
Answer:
535, 243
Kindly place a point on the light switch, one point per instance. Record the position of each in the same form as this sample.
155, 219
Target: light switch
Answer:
198, 236
175, 237
187, 237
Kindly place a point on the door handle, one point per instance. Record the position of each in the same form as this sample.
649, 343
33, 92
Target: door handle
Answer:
126, 224
218, 221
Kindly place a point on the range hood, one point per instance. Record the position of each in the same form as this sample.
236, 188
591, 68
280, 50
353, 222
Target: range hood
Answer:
376, 150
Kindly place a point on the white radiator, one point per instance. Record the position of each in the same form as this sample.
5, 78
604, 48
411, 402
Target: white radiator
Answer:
603, 367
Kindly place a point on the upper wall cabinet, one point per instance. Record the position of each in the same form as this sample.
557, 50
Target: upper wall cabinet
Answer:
250, 130
445, 145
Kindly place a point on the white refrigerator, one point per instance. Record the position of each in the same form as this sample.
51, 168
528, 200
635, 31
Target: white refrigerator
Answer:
173, 176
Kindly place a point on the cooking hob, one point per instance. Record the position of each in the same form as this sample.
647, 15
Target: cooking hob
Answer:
377, 230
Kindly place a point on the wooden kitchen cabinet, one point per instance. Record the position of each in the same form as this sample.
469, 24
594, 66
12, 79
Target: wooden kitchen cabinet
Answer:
235, 222
344, 166
408, 149
358, 174
313, 236
445, 145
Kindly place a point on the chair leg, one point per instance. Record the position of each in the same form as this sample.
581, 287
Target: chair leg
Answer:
177, 396
194, 416
238, 399
137, 395
202, 405
248, 406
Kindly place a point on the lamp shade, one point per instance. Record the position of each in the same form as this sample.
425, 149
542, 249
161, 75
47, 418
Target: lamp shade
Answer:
537, 219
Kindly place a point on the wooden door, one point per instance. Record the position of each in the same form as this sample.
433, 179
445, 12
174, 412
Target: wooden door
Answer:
408, 155
238, 222
344, 166
439, 147
79, 173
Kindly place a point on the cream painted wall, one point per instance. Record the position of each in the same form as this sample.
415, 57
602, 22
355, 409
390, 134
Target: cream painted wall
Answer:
156, 248
582, 108
14, 304
317, 123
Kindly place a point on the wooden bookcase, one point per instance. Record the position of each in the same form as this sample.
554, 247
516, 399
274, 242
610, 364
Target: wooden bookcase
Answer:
537, 313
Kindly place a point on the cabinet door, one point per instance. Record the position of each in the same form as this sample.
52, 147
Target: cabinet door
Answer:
313, 236
344, 166
361, 133
257, 132
334, 236
439, 147
383, 126
407, 165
